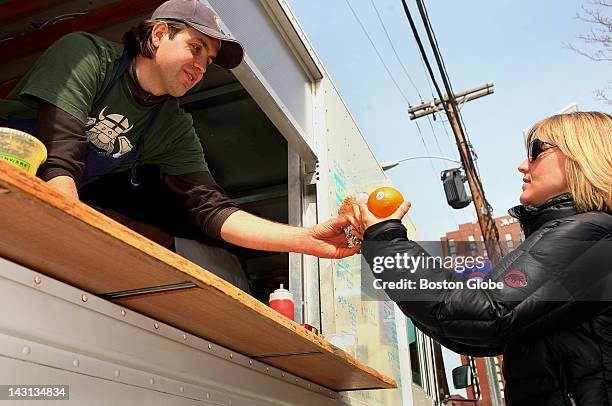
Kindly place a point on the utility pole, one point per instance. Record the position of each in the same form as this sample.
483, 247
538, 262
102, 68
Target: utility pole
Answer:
489, 231
436, 105
449, 104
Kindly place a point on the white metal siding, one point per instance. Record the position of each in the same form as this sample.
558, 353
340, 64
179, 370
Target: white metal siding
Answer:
271, 55
109, 355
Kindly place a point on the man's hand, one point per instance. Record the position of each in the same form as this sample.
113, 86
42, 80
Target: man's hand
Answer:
327, 240
65, 185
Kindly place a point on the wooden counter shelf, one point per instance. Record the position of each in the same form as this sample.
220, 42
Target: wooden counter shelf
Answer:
71, 242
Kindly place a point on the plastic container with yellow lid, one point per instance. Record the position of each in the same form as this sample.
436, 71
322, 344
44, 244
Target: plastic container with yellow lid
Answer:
22, 149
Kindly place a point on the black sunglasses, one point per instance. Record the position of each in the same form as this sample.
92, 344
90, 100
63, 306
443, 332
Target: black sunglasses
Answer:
536, 147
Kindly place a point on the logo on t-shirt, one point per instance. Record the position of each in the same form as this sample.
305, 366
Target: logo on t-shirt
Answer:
107, 133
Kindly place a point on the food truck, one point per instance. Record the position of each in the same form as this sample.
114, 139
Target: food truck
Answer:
103, 316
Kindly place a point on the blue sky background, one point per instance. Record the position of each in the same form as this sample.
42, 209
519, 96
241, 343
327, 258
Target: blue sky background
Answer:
516, 44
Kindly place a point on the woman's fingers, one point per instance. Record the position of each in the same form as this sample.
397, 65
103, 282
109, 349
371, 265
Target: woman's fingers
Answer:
367, 219
402, 210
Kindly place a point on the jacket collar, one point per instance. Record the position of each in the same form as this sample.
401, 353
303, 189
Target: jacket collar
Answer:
532, 218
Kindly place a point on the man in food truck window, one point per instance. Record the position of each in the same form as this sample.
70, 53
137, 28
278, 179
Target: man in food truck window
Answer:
101, 107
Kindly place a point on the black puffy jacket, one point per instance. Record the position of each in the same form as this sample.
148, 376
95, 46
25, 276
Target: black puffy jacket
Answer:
553, 318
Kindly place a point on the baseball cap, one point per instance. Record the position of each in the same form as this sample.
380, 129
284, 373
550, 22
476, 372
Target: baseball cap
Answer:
200, 17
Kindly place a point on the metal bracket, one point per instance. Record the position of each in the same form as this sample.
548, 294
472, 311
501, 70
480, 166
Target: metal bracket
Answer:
286, 354
149, 290
311, 178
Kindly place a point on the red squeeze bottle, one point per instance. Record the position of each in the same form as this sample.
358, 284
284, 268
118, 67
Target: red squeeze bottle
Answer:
281, 300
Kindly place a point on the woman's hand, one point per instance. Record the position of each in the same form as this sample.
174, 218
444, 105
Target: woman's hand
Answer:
365, 219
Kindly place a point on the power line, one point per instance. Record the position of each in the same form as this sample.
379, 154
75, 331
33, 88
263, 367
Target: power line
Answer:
377, 52
435, 46
395, 82
429, 68
390, 75
407, 74
443, 68
431, 91
399, 60
395, 51
436, 49
423, 53
389, 71
483, 208
448, 83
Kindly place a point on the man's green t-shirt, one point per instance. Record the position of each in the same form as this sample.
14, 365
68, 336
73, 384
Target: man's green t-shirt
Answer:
73, 72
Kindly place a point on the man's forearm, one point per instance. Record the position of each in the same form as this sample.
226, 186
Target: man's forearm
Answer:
324, 240
247, 230
65, 140
66, 186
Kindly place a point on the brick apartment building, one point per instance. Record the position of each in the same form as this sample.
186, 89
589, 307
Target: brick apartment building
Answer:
469, 238
510, 235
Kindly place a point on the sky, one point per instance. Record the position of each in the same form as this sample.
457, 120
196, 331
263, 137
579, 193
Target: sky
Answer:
517, 45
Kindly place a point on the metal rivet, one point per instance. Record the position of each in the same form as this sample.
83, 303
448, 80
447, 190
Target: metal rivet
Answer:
208, 396
76, 363
84, 297
37, 280
210, 346
123, 312
26, 350
297, 380
184, 336
267, 369
151, 381
156, 326
309, 385
250, 362
181, 389
231, 355
283, 374
117, 373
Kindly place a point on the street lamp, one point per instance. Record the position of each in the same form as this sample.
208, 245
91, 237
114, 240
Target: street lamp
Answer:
392, 164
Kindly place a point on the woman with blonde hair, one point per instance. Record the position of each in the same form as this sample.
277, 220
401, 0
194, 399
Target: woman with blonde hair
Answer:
585, 140
552, 316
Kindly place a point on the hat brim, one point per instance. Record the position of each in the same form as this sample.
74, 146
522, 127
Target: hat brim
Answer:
230, 54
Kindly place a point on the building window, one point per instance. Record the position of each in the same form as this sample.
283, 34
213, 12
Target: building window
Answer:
509, 242
452, 247
414, 353
484, 247
473, 250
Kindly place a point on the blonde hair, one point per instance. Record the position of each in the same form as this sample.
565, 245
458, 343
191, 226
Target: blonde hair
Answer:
585, 138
